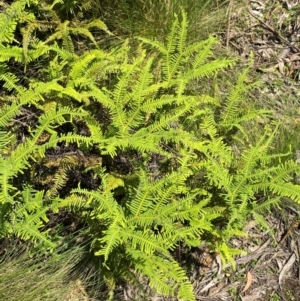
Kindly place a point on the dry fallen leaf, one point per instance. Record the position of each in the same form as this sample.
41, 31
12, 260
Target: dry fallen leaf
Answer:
249, 282
219, 262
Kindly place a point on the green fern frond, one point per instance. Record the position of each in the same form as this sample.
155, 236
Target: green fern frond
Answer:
202, 51
232, 115
84, 32
67, 42
289, 190
284, 172
111, 239
5, 139
98, 24
10, 80
64, 54
148, 205
227, 254
9, 20
79, 140
80, 68
106, 205
155, 44
209, 69
183, 31
8, 112
166, 276
29, 216
172, 37
73, 202
186, 62
26, 33
62, 33
59, 180
6, 53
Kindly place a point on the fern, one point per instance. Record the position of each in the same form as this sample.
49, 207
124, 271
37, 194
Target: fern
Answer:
9, 19
9, 79
232, 114
177, 56
135, 225
105, 104
252, 173
28, 216
19, 159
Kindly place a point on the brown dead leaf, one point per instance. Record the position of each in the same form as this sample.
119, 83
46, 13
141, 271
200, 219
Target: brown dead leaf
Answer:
248, 283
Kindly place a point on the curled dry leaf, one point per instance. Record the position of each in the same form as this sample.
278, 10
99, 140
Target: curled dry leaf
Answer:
248, 283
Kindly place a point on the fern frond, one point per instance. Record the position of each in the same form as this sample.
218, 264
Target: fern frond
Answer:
5, 139
26, 33
183, 31
84, 32
165, 121
59, 180
8, 112
106, 205
6, 53
62, 32
141, 86
98, 24
74, 202
209, 69
64, 54
285, 189
9, 20
146, 241
10, 80
166, 276
227, 254
232, 115
27, 231
201, 50
85, 70
29, 216
110, 240
155, 44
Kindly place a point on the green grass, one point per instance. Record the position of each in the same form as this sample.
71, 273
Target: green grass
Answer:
40, 277
153, 19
